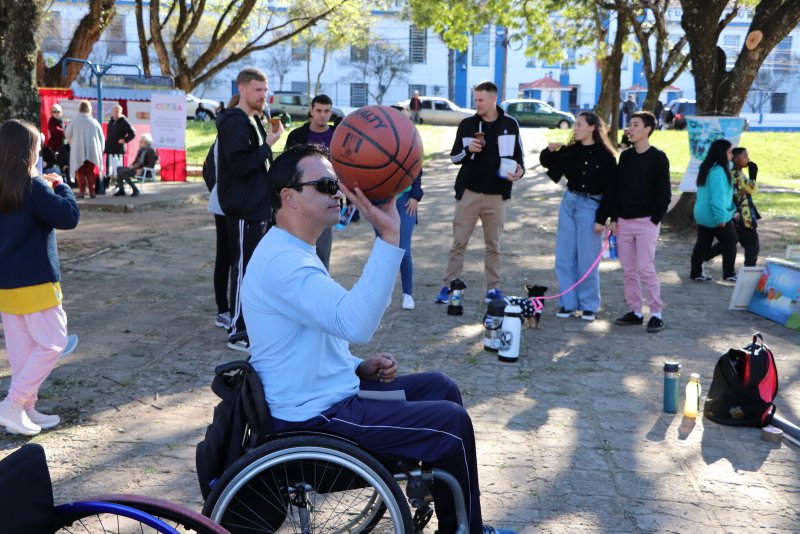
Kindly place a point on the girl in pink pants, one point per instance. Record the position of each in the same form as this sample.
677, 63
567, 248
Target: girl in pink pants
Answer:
31, 208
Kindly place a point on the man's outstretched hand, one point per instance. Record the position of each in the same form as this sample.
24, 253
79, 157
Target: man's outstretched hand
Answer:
381, 367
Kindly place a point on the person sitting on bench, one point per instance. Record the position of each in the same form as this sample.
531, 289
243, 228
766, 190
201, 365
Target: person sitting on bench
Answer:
146, 157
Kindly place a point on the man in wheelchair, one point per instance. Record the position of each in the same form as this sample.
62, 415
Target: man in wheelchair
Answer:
301, 322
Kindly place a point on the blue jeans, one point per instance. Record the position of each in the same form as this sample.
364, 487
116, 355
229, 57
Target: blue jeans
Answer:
577, 247
407, 223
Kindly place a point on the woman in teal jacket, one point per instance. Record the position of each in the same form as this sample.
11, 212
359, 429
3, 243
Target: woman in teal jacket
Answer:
713, 212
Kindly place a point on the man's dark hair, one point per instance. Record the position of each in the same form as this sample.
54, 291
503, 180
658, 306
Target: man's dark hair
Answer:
647, 118
487, 86
284, 171
325, 100
738, 150
249, 74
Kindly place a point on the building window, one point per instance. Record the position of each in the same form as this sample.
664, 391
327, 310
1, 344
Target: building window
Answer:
418, 45
358, 95
570, 58
624, 64
530, 62
359, 54
778, 103
782, 58
51, 32
116, 44
413, 87
480, 48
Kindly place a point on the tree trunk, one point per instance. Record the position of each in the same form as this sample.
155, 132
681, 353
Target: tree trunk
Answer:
451, 74
19, 25
608, 100
88, 32
143, 42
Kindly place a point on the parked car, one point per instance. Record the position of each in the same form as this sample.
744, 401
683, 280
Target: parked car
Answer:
530, 112
673, 117
297, 105
436, 110
200, 109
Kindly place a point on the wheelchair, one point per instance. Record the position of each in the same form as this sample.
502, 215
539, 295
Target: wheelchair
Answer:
312, 483
26, 505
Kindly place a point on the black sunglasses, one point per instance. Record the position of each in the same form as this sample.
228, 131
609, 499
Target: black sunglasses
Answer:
326, 186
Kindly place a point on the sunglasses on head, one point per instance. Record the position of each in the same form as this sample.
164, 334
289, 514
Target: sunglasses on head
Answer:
326, 186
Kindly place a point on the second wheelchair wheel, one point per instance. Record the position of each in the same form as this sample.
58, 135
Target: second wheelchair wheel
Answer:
178, 517
309, 484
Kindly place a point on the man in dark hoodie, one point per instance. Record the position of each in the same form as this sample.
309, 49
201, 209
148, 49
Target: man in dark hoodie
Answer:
488, 148
244, 157
118, 134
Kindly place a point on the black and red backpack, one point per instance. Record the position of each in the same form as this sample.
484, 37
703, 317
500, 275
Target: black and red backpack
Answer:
744, 385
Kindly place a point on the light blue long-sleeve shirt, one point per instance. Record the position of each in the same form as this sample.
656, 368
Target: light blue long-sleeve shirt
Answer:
714, 203
300, 322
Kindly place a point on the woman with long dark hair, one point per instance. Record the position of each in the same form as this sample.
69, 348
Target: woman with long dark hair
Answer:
31, 208
588, 161
713, 212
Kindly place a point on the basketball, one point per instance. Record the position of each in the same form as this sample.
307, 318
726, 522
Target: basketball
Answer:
377, 149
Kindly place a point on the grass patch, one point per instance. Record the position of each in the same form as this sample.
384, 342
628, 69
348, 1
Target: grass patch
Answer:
768, 149
778, 205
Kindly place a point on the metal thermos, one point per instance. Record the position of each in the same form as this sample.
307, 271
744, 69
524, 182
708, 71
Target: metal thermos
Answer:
672, 374
492, 323
457, 288
510, 336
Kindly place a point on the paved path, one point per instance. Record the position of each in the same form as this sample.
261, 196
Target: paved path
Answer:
571, 438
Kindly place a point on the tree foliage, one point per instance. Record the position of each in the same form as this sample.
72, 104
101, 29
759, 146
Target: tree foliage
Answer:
19, 23
231, 30
86, 35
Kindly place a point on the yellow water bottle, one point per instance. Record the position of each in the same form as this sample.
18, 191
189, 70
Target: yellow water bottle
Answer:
692, 396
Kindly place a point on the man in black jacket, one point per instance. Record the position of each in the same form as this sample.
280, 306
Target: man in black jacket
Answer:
119, 133
317, 131
489, 149
244, 156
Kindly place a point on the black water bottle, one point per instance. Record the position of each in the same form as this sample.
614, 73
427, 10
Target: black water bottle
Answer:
457, 288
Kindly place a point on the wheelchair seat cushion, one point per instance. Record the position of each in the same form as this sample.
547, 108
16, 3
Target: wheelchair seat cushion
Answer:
27, 503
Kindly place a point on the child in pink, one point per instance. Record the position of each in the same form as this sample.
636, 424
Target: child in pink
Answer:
31, 208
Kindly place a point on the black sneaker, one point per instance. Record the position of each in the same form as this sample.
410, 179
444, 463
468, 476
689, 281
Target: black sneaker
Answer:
629, 319
119, 193
655, 324
587, 315
701, 278
731, 278
564, 313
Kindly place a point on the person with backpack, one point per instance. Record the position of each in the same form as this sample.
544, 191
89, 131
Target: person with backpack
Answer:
244, 157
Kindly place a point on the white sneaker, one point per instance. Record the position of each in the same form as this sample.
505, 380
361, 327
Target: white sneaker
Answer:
43, 420
16, 421
408, 302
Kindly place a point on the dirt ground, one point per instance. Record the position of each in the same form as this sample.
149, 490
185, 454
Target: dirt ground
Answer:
135, 397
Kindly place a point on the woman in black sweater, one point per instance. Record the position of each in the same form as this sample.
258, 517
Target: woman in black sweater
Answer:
589, 164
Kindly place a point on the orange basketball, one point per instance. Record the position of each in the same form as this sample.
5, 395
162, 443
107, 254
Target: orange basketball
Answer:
378, 149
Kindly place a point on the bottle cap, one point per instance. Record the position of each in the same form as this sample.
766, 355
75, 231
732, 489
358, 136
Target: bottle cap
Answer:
672, 367
695, 376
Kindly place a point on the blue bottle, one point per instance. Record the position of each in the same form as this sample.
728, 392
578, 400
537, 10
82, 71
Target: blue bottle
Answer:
672, 374
612, 246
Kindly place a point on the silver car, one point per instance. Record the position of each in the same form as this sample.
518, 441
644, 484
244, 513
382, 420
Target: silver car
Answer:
436, 110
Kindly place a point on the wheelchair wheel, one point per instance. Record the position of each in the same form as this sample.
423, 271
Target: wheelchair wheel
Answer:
178, 517
309, 484
91, 517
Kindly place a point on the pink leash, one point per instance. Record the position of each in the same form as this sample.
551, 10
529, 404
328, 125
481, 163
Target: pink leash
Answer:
536, 301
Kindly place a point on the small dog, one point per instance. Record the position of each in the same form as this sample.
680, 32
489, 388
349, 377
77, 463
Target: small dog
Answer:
536, 291
530, 317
